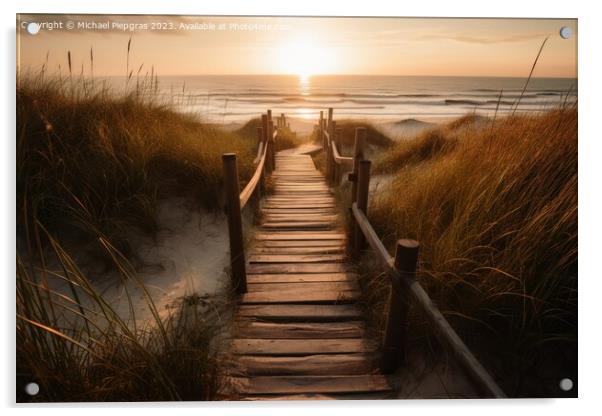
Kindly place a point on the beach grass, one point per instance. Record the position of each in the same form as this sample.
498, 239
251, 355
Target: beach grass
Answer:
494, 207
286, 138
374, 137
92, 162
78, 348
92, 166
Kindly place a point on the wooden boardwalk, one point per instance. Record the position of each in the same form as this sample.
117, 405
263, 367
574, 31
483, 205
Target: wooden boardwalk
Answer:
299, 332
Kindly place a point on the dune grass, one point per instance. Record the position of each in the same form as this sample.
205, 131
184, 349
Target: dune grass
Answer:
286, 138
495, 211
77, 347
374, 138
93, 162
92, 165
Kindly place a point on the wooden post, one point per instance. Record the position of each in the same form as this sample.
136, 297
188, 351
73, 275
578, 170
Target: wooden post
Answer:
363, 187
331, 163
237, 250
358, 154
272, 144
320, 130
329, 118
324, 139
338, 171
266, 142
261, 178
406, 258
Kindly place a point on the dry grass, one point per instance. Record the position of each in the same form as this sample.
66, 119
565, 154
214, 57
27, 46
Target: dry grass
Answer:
286, 138
77, 347
94, 162
495, 211
374, 138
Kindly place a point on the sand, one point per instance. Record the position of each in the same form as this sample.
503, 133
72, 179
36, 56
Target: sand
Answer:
188, 256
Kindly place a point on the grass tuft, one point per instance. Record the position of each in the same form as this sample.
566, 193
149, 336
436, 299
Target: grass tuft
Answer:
495, 211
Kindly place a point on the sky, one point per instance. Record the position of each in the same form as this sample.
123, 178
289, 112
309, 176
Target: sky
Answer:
307, 46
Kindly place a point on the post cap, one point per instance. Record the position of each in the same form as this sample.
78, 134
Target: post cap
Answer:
408, 243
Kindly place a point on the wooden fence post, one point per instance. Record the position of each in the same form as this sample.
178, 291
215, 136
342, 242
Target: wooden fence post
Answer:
237, 250
320, 129
338, 168
363, 188
324, 139
262, 177
329, 118
358, 154
406, 258
272, 143
266, 142
331, 163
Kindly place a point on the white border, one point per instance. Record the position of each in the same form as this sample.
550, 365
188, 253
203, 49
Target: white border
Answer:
590, 179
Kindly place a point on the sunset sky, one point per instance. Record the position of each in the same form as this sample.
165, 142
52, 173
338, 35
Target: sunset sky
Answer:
305, 46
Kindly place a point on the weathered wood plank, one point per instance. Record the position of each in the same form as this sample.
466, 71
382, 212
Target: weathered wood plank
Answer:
299, 243
300, 277
298, 225
287, 296
310, 384
305, 313
291, 347
352, 285
319, 330
296, 258
299, 250
323, 364
259, 268
300, 235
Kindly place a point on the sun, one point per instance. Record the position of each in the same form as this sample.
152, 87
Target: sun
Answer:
304, 57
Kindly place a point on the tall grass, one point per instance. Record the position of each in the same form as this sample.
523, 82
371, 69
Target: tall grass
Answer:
495, 211
374, 138
286, 138
77, 347
92, 165
94, 162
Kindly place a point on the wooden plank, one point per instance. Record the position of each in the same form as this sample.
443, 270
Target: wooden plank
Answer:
286, 296
300, 235
291, 347
301, 277
296, 258
297, 205
352, 285
299, 244
310, 384
298, 225
287, 217
383, 395
318, 330
301, 198
303, 313
257, 268
304, 210
322, 364
298, 250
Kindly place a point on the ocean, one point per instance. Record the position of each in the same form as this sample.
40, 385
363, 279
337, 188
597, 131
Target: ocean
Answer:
233, 99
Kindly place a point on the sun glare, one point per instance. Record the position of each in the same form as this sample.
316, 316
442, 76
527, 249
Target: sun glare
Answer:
304, 57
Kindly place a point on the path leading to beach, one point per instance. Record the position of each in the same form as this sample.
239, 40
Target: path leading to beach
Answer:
299, 332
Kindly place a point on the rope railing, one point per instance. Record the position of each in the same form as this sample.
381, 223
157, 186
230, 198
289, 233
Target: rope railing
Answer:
405, 289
